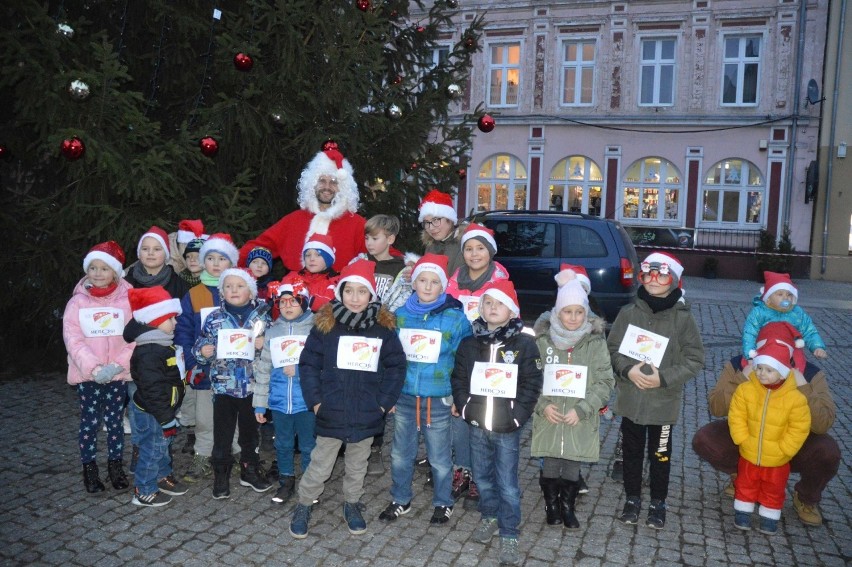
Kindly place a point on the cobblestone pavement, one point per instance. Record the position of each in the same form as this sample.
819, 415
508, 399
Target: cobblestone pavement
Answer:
46, 518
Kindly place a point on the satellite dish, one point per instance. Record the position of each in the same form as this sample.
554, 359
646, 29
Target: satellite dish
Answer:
813, 92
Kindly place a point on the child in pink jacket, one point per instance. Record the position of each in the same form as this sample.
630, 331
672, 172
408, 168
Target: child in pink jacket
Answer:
99, 359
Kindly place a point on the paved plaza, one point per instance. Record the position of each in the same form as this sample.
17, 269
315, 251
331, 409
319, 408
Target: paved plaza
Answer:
47, 518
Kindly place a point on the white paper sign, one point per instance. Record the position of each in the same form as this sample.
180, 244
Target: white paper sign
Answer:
470, 305
205, 311
643, 345
234, 343
181, 361
359, 353
567, 380
286, 350
494, 379
101, 321
421, 345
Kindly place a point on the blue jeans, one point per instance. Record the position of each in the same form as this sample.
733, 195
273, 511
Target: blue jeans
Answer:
461, 442
495, 468
405, 442
131, 390
154, 462
287, 427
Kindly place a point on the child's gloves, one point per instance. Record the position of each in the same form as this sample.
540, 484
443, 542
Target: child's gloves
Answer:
170, 429
194, 376
107, 373
605, 412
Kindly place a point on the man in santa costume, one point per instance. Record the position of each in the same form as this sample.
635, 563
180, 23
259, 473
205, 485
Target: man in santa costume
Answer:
328, 201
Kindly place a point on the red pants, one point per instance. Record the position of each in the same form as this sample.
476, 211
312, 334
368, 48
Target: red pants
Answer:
766, 485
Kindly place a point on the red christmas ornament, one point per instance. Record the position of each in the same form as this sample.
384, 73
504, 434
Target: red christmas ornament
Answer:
72, 148
396, 80
243, 62
470, 43
486, 123
330, 145
421, 29
413, 166
363, 5
462, 173
209, 146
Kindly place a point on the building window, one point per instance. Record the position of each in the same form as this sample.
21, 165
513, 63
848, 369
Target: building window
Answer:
578, 72
733, 195
657, 72
651, 192
741, 70
576, 185
501, 184
505, 74
440, 55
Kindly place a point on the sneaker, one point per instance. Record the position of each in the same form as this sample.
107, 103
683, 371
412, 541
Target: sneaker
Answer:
656, 515
134, 459
441, 515
730, 491
153, 500
172, 486
486, 530
354, 520
394, 511
199, 469
375, 466
617, 472
285, 490
253, 477
509, 552
299, 523
809, 514
768, 526
584, 489
742, 520
630, 514
461, 483
471, 499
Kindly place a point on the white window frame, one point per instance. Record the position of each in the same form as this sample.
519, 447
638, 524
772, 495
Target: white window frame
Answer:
741, 61
436, 53
741, 187
649, 190
656, 65
578, 65
511, 180
505, 68
586, 183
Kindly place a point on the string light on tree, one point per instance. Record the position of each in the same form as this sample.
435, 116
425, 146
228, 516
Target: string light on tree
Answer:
4, 151
209, 146
72, 148
462, 173
78, 90
329, 145
486, 123
243, 62
276, 116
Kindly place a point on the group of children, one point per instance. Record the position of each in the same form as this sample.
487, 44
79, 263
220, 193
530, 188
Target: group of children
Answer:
438, 345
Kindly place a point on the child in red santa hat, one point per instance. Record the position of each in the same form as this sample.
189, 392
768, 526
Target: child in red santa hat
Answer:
317, 275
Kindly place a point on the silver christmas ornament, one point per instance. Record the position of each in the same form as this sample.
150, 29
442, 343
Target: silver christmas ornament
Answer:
394, 112
454, 91
78, 90
65, 30
453, 4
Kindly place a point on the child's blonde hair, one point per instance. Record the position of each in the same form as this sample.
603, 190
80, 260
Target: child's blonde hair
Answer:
387, 223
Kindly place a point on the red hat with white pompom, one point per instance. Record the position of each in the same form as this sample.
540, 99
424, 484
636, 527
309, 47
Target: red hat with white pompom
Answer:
481, 233
110, 253
433, 263
332, 163
157, 234
665, 263
189, 230
361, 272
504, 292
153, 305
779, 332
776, 355
774, 281
438, 204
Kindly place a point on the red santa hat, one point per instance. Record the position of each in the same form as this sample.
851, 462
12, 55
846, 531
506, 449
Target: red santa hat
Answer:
157, 234
360, 271
331, 162
223, 244
776, 355
153, 305
665, 263
568, 272
242, 273
773, 281
438, 204
189, 230
110, 253
434, 263
481, 233
779, 332
504, 292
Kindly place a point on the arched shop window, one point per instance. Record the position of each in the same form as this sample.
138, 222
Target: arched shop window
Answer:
651, 192
733, 195
501, 184
575, 185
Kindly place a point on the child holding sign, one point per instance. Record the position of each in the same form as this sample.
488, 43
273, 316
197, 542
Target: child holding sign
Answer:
277, 384
656, 349
577, 382
496, 383
229, 339
352, 370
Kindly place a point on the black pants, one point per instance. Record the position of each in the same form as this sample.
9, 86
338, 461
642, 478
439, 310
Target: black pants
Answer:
227, 412
658, 440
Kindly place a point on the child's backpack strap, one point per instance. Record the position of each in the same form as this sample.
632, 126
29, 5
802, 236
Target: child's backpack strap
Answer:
200, 297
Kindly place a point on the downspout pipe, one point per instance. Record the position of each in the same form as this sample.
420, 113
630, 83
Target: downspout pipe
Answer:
797, 99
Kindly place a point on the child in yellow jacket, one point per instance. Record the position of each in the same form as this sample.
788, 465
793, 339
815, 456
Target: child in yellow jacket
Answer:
769, 421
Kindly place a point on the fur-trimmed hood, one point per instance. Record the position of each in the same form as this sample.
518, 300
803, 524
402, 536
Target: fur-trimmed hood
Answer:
455, 235
324, 320
542, 324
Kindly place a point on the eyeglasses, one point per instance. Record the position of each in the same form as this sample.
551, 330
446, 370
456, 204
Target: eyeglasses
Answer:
435, 222
289, 302
649, 274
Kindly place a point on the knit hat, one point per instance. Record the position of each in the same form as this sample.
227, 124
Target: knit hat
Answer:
193, 245
292, 285
434, 263
568, 272
773, 282
108, 252
438, 204
157, 234
153, 305
223, 244
359, 271
481, 233
572, 293
776, 355
243, 273
190, 230
504, 292
666, 264
323, 244
328, 162
779, 332
260, 252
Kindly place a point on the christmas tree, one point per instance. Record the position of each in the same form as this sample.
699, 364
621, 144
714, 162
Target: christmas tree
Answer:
121, 114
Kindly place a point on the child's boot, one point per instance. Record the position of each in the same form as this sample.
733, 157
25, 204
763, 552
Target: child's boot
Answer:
252, 476
189, 445
286, 488
568, 496
742, 520
768, 526
550, 490
115, 471
90, 478
221, 481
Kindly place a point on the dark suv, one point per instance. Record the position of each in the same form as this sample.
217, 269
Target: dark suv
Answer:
533, 244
